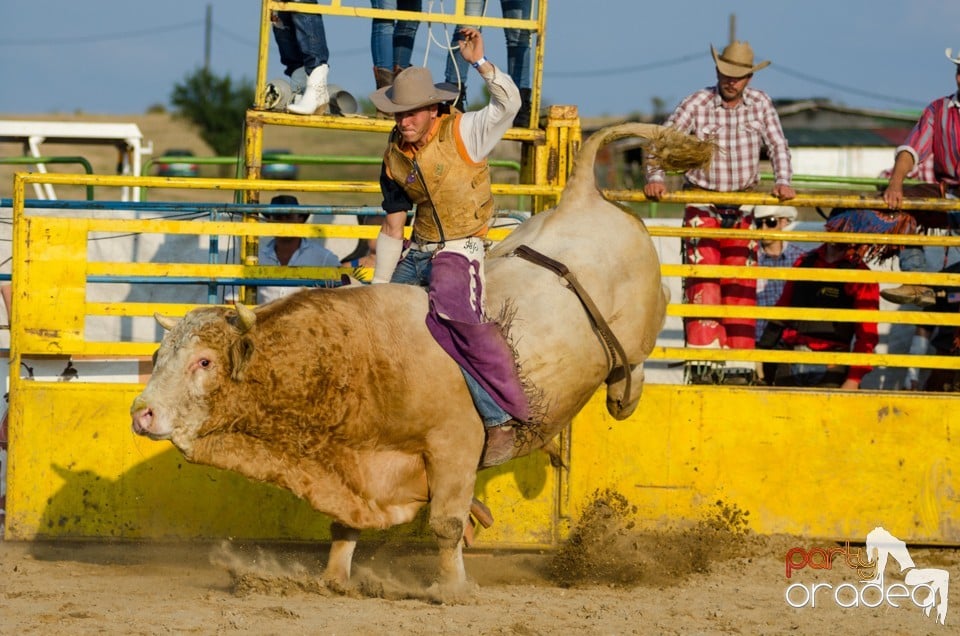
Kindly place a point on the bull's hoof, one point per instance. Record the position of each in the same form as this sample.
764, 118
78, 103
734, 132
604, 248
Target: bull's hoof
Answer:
337, 585
453, 592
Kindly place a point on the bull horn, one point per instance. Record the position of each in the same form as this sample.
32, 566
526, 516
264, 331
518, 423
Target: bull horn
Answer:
246, 318
167, 322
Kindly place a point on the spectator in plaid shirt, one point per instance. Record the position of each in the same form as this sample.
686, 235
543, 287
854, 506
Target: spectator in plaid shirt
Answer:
741, 120
773, 252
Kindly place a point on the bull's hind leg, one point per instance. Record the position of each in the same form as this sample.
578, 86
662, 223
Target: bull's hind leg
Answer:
619, 405
337, 573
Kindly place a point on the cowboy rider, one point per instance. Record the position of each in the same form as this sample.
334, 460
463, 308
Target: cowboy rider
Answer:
437, 160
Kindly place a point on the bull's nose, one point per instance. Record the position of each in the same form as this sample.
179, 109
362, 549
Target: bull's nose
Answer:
138, 404
142, 416
142, 421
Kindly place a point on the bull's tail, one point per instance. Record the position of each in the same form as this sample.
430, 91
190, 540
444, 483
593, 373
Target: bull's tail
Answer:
665, 148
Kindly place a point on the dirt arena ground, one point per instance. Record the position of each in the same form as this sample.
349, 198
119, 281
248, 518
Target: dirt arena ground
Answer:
608, 579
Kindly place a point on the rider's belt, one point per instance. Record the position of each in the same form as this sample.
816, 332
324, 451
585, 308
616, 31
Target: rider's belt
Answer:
426, 247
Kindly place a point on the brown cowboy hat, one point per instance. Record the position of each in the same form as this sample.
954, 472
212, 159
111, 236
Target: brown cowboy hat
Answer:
412, 88
737, 60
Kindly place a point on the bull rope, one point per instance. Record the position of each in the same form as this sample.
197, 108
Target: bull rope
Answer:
609, 339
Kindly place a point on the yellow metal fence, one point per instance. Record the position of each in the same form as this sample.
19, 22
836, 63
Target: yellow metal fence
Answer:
817, 463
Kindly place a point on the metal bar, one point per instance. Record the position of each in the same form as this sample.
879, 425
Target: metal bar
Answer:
456, 17
687, 310
944, 279
44, 160
816, 178
174, 206
363, 124
801, 200
809, 357
257, 185
807, 237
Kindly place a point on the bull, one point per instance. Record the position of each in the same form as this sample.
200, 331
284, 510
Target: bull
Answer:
344, 398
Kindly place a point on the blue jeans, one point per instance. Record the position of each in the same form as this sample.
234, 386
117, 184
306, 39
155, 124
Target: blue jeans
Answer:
518, 41
518, 44
391, 41
414, 269
301, 40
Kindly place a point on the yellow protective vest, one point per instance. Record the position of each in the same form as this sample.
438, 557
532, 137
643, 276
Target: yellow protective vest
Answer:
452, 193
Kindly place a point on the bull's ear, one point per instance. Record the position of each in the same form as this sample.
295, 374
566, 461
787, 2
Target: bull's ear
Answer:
166, 322
240, 354
246, 319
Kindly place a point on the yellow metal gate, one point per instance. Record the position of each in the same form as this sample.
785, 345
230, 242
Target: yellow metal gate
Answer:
816, 463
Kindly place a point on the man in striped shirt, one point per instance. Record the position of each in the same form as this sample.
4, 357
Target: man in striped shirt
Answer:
936, 135
740, 120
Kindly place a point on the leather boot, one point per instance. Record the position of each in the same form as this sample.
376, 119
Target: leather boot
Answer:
315, 94
500, 445
522, 119
383, 77
918, 295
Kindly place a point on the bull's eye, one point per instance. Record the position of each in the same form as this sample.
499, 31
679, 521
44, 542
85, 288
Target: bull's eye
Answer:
204, 363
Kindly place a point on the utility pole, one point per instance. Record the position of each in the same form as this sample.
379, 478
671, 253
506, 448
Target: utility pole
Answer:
206, 38
733, 28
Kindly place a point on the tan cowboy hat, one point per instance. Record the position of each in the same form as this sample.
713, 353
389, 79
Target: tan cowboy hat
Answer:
737, 60
412, 88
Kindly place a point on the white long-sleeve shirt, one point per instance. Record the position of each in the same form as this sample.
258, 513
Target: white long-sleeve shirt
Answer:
482, 129
311, 253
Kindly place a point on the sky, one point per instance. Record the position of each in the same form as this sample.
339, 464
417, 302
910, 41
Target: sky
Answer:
608, 57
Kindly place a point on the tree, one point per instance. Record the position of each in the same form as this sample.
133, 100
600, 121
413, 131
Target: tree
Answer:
215, 105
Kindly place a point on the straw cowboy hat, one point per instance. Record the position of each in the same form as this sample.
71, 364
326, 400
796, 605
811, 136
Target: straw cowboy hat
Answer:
737, 60
955, 60
412, 88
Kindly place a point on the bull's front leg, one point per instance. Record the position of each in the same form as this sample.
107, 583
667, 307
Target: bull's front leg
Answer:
337, 573
449, 533
451, 489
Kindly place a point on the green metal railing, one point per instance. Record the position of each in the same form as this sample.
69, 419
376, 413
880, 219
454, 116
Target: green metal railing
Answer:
29, 161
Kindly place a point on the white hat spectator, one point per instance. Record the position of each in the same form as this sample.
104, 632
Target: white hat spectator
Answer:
776, 211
